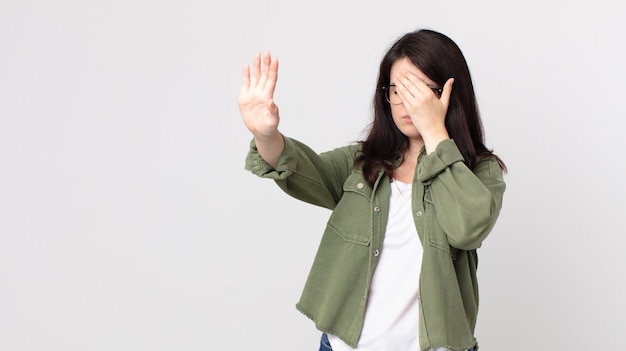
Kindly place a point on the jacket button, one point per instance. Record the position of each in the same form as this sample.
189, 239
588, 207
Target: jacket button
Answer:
376, 209
418, 213
360, 185
376, 253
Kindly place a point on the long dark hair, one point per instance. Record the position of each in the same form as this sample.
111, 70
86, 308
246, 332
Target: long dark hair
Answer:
438, 57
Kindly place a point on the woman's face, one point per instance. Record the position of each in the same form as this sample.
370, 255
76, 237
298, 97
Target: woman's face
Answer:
398, 112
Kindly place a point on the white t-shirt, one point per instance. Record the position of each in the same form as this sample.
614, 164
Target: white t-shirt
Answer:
392, 315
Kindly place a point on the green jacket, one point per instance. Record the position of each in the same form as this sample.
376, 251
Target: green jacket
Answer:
454, 210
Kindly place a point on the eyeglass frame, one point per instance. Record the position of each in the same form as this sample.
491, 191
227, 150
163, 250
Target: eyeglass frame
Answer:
386, 91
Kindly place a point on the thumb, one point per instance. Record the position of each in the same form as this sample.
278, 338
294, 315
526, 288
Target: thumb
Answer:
447, 91
272, 107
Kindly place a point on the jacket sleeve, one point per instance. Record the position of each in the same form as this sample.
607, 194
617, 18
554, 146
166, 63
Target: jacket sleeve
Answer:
467, 203
303, 174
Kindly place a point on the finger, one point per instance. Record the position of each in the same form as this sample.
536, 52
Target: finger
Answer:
256, 69
265, 66
447, 91
417, 85
401, 87
272, 77
245, 79
410, 88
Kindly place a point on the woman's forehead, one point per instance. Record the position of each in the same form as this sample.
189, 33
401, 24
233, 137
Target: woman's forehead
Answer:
406, 64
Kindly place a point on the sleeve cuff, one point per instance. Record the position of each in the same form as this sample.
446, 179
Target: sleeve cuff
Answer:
446, 153
286, 163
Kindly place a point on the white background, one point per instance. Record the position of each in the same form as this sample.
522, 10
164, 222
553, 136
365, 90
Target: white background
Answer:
127, 221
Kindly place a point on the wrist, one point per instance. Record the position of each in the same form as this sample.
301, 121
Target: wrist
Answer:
267, 138
431, 140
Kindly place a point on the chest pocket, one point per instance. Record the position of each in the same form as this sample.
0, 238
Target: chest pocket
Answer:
351, 218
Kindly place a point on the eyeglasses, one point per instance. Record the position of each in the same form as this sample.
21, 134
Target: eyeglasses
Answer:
392, 95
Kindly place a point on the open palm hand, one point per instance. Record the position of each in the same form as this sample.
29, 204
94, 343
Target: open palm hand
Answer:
256, 98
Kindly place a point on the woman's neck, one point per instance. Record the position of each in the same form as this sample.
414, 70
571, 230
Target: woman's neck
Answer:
406, 171
413, 151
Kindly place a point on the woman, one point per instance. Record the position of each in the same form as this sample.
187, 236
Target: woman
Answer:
411, 204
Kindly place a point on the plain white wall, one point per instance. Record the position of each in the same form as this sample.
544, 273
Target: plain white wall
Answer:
127, 221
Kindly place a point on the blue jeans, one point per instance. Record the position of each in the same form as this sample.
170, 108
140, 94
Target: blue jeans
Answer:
325, 344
